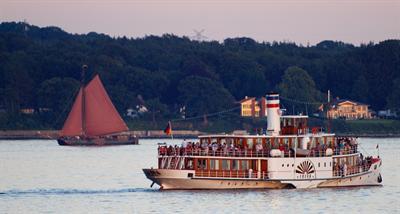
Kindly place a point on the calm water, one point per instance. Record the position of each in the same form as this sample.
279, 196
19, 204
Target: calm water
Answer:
40, 176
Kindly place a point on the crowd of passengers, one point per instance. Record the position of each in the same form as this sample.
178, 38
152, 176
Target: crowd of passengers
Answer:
362, 165
343, 145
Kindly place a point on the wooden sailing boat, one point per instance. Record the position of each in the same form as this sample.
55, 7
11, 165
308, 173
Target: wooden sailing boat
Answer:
93, 120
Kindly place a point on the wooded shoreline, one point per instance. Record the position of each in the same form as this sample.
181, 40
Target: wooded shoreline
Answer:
149, 134
53, 134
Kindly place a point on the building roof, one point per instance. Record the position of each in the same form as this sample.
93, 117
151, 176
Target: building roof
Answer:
251, 98
339, 101
246, 99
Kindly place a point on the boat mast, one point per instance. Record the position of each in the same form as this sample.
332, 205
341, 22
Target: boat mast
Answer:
84, 67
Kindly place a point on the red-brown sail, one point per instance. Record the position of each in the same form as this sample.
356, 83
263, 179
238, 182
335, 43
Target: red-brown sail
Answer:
101, 117
73, 124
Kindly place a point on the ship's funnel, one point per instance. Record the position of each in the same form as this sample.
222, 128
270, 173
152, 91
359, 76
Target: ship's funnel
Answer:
273, 118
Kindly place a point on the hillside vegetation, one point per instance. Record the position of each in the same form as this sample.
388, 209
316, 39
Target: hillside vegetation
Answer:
40, 68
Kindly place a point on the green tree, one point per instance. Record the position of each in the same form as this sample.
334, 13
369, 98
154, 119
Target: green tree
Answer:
242, 76
360, 89
202, 96
57, 94
297, 85
155, 108
393, 101
18, 89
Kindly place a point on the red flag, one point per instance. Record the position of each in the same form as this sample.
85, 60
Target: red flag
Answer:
168, 129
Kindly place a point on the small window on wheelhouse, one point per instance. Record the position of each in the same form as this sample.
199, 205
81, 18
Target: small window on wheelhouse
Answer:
189, 163
250, 144
259, 141
226, 164
214, 164
244, 164
201, 164
235, 164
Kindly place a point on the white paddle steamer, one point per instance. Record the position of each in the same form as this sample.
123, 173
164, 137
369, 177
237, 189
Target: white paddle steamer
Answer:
288, 156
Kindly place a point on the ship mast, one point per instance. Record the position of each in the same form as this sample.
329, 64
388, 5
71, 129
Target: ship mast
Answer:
84, 67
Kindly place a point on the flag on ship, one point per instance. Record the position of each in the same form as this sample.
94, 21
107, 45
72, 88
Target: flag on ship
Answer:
168, 129
321, 107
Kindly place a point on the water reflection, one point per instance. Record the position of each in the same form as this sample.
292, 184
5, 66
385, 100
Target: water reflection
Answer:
40, 176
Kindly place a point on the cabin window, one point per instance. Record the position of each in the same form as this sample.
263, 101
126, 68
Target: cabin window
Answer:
189, 164
319, 164
253, 164
259, 141
330, 141
324, 164
214, 164
226, 164
250, 144
245, 165
240, 142
268, 143
235, 164
201, 164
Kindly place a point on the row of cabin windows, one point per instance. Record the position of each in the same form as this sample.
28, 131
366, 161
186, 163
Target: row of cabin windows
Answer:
243, 164
225, 164
274, 142
319, 164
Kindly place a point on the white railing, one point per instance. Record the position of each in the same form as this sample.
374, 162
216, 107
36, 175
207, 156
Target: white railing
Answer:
248, 153
351, 170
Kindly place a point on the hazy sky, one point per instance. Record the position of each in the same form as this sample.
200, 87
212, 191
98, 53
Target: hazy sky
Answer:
301, 21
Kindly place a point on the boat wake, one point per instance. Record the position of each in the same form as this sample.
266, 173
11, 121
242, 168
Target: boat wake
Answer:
72, 191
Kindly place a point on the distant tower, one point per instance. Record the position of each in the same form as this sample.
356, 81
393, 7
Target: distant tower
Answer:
273, 111
198, 35
26, 27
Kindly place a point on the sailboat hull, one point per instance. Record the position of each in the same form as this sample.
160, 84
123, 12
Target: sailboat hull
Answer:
97, 142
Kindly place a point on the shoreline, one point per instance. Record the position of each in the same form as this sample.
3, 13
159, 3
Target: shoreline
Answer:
148, 134
53, 134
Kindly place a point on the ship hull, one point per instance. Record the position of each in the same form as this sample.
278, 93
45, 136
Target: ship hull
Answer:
96, 142
179, 180
170, 179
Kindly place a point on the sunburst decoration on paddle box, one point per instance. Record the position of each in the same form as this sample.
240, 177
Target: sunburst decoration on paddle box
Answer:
305, 167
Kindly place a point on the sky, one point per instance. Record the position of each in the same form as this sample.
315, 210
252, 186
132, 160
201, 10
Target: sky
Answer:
301, 21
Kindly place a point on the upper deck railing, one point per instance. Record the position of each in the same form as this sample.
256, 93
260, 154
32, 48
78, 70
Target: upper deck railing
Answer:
252, 153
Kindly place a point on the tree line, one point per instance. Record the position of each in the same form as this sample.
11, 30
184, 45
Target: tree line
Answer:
40, 68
